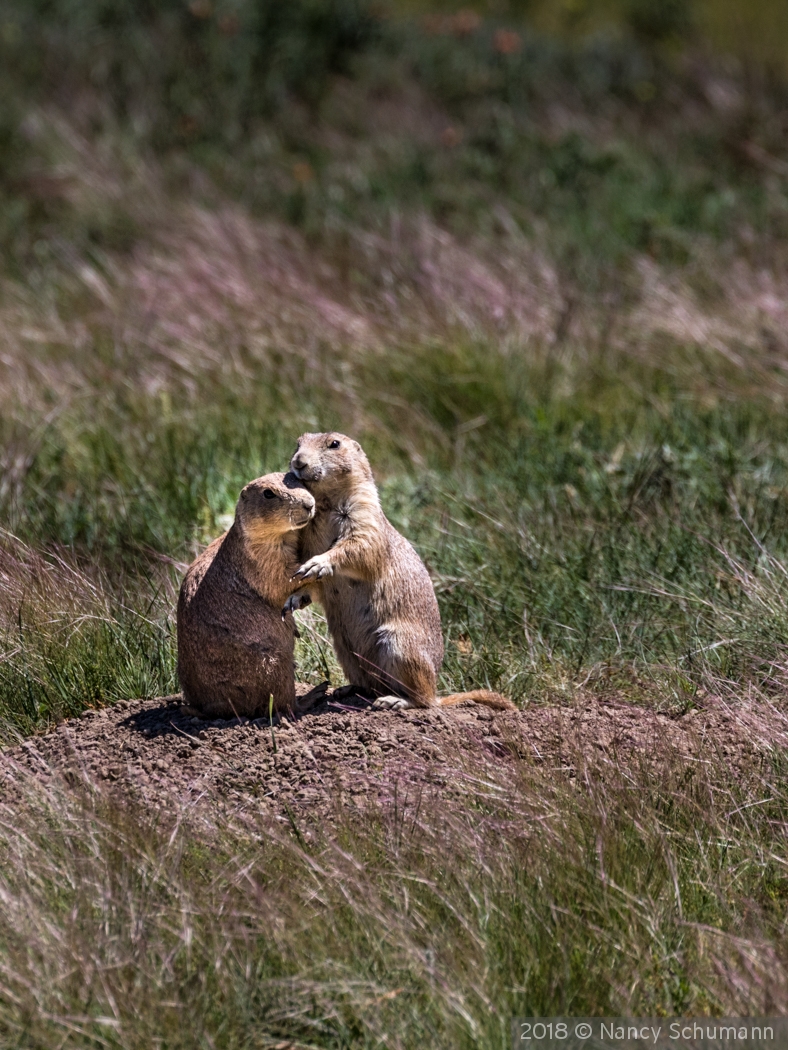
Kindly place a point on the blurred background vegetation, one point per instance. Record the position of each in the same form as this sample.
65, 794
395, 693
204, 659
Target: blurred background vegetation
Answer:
248, 89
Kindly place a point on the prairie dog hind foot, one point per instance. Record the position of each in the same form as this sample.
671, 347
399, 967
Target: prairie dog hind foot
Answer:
391, 703
345, 692
309, 700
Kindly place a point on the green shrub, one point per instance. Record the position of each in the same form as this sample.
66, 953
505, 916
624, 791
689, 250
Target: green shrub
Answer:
185, 71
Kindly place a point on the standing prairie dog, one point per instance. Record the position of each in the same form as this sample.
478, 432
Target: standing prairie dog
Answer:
235, 649
379, 600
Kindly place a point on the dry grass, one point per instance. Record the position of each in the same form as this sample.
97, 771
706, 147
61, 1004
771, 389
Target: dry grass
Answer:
371, 928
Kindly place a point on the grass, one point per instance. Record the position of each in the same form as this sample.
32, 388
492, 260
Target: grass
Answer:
627, 896
542, 279
607, 516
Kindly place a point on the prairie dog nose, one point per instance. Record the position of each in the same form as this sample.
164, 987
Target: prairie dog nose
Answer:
298, 461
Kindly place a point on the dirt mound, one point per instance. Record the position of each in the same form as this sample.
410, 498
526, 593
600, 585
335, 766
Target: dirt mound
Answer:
154, 751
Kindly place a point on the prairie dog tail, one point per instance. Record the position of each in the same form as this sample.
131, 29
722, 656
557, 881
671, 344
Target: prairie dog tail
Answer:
478, 696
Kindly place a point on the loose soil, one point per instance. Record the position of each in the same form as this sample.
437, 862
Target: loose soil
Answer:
155, 752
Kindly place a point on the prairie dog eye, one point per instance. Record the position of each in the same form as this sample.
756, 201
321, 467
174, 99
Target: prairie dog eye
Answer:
269, 494
334, 444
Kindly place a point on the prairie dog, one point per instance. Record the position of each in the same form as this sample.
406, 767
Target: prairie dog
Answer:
379, 600
235, 649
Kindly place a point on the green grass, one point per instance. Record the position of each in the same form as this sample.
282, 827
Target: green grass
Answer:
600, 522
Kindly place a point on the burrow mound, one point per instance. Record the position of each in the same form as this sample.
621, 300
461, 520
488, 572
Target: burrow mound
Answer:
155, 752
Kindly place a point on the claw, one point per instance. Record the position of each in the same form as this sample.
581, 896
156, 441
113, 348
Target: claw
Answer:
316, 568
295, 602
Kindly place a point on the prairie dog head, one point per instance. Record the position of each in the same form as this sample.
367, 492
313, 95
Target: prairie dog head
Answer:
273, 505
330, 461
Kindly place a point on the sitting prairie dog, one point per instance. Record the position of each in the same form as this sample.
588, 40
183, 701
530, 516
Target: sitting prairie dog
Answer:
235, 649
379, 600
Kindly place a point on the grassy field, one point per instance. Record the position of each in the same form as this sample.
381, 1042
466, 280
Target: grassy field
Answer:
542, 277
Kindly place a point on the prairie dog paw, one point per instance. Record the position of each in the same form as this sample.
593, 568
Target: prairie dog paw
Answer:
344, 692
314, 696
296, 601
315, 569
391, 703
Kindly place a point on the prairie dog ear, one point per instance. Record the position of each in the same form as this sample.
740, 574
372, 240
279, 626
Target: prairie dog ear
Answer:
358, 447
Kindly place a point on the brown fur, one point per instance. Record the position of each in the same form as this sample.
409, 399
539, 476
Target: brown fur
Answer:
235, 649
379, 600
